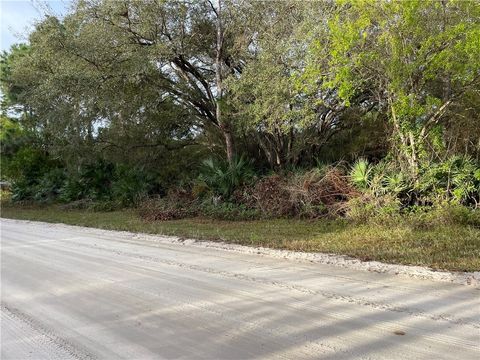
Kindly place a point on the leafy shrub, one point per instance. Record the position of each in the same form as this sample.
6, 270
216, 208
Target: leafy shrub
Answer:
91, 181
73, 189
396, 183
387, 211
457, 179
107, 183
29, 171
96, 179
384, 178
42, 180
5, 195
361, 174
22, 190
223, 178
45, 188
48, 188
130, 185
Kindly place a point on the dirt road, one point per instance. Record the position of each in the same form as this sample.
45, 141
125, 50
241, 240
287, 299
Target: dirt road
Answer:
75, 293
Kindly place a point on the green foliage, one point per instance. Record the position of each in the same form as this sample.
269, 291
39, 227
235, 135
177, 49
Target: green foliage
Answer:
373, 209
455, 179
223, 178
131, 185
387, 211
48, 188
12, 90
33, 174
418, 69
442, 190
361, 174
42, 189
442, 214
396, 183
20, 158
101, 184
96, 179
110, 108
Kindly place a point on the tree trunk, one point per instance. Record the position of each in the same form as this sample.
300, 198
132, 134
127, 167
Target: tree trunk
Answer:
227, 134
407, 142
413, 156
224, 126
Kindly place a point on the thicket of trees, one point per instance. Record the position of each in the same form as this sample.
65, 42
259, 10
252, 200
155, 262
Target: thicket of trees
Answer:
122, 98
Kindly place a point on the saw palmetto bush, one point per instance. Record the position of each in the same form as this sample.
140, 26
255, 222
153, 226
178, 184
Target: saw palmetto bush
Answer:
223, 178
385, 190
379, 179
457, 179
131, 185
361, 174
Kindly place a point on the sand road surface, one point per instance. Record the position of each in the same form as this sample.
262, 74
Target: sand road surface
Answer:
75, 293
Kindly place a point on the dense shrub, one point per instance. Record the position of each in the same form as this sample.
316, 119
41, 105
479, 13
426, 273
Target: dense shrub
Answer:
23, 189
388, 213
361, 174
101, 184
381, 179
73, 189
48, 188
96, 179
424, 217
367, 208
131, 185
457, 180
34, 176
223, 178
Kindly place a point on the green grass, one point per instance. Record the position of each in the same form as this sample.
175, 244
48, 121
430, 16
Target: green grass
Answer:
448, 247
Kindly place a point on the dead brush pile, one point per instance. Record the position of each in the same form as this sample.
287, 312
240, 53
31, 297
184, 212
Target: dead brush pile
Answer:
312, 194
271, 197
178, 204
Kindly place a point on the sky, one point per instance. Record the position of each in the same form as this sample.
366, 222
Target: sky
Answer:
18, 16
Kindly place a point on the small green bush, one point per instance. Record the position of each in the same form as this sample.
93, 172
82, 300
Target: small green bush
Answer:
223, 178
48, 188
361, 174
131, 185
457, 179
